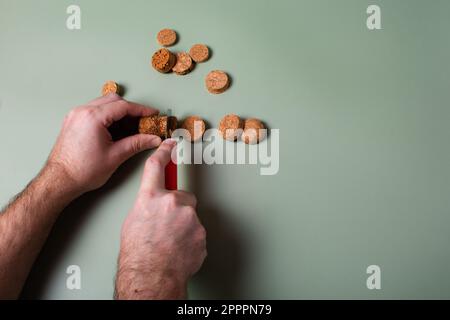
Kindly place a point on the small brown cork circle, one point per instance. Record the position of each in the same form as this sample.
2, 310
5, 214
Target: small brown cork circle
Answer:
253, 131
110, 87
161, 126
195, 126
163, 60
199, 53
166, 37
184, 64
231, 127
217, 81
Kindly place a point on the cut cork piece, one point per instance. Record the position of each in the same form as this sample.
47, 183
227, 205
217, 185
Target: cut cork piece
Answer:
196, 127
166, 37
217, 81
161, 126
110, 87
163, 60
231, 127
253, 131
199, 53
184, 64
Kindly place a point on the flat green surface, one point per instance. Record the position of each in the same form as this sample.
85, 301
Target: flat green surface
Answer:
364, 139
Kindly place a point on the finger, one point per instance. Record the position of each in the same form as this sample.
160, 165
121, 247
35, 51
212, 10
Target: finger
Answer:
127, 147
116, 110
105, 99
186, 198
153, 178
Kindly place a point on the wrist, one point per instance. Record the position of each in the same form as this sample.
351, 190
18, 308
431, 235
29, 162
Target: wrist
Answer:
57, 185
134, 284
137, 280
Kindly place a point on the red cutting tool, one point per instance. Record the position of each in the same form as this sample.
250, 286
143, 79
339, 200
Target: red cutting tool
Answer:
171, 176
171, 170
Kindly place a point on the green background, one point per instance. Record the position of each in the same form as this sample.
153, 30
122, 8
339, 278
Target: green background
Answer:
363, 116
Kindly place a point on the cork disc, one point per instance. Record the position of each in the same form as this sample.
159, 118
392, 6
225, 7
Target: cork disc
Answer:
166, 37
196, 127
231, 127
184, 64
110, 87
217, 81
253, 131
199, 53
161, 126
163, 60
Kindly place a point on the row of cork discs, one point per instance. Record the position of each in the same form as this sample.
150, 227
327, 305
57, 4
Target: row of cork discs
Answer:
231, 127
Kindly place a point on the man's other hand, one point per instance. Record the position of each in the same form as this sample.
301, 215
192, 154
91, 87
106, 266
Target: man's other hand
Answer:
85, 148
163, 242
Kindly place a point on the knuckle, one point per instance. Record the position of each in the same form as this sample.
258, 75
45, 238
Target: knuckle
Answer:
155, 162
192, 198
72, 113
84, 112
148, 193
76, 113
115, 96
202, 233
121, 103
171, 200
136, 145
190, 213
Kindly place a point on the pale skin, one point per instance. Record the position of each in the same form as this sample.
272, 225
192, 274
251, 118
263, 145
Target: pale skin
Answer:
162, 241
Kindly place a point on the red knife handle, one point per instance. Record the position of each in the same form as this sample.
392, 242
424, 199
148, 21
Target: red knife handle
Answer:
171, 176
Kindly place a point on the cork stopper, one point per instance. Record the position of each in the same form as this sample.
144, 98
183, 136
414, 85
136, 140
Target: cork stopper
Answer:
195, 126
217, 82
199, 53
110, 87
184, 64
161, 126
163, 60
253, 131
231, 127
166, 37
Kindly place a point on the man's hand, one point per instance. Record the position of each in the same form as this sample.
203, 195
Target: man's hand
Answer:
85, 149
163, 243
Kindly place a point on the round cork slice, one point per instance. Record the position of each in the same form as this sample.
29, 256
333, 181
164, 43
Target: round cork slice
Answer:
231, 127
163, 60
199, 53
161, 126
110, 87
184, 64
217, 81
166, 37
196, 127
254, 131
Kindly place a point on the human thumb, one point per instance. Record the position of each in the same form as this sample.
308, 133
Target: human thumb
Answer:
132, 145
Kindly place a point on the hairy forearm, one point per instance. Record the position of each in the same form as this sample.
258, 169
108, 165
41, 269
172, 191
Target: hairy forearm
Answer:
139, 277
26, 223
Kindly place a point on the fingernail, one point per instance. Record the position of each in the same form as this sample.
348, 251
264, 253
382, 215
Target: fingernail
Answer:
170, 142
156, 139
